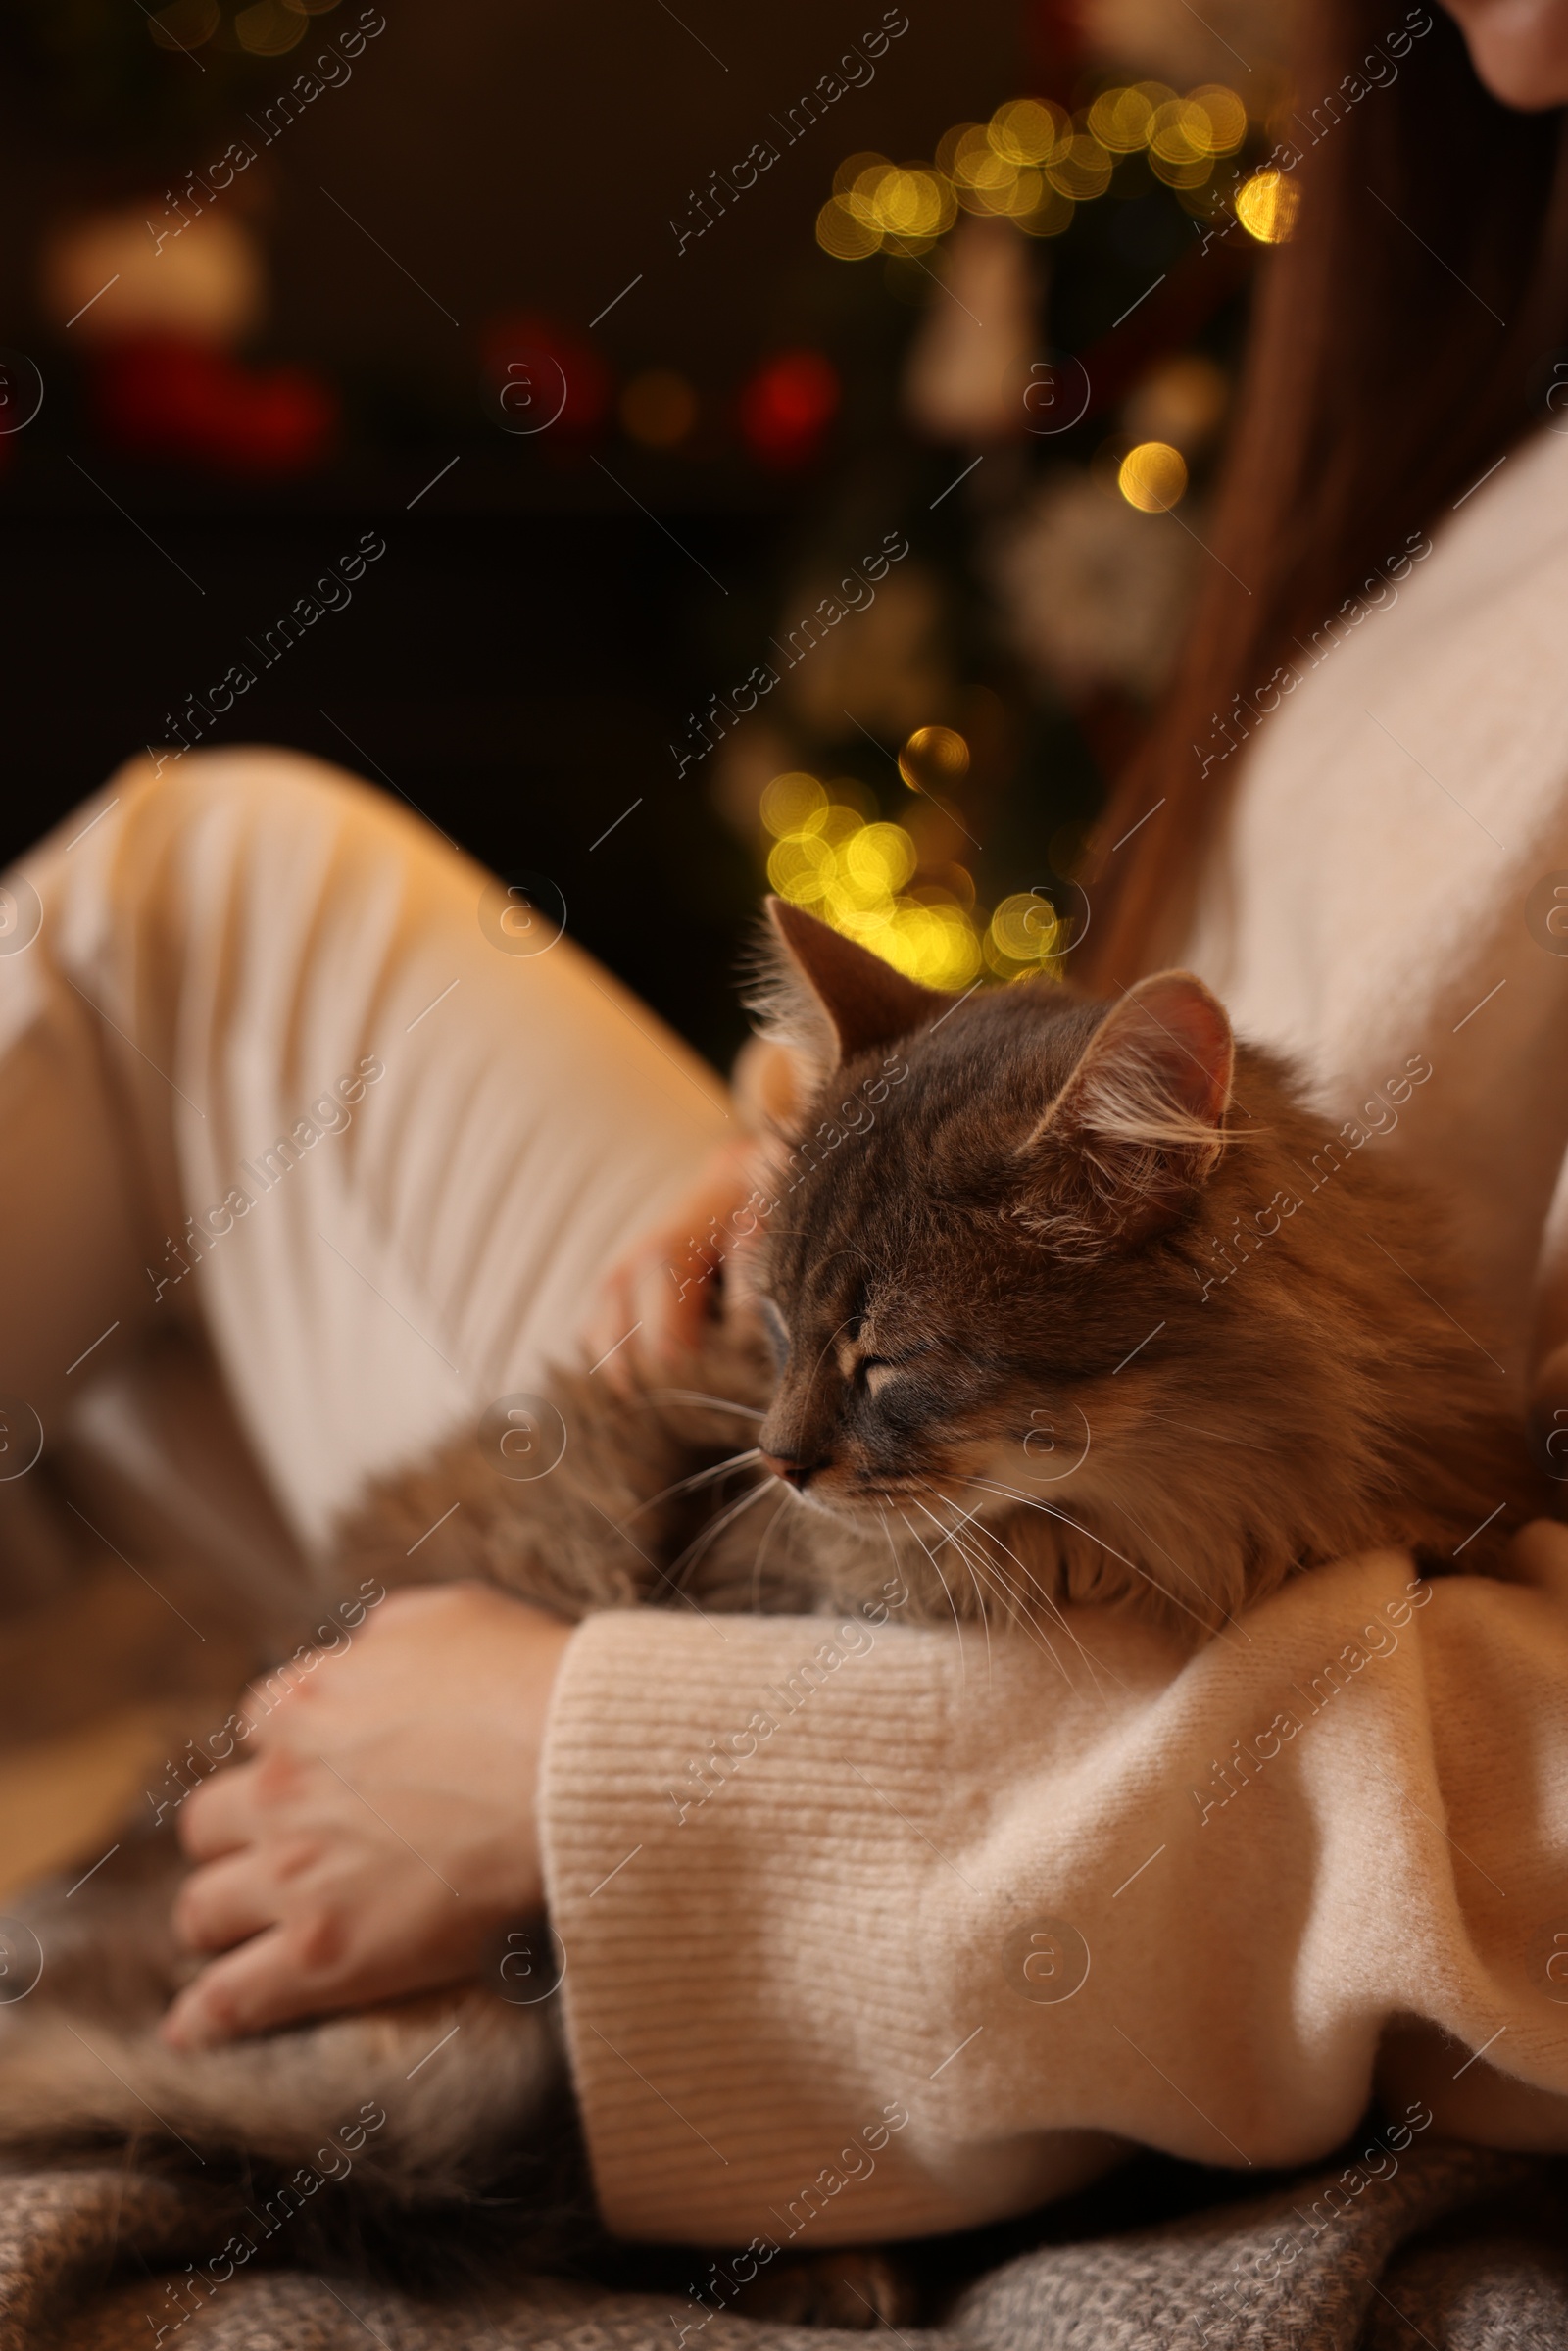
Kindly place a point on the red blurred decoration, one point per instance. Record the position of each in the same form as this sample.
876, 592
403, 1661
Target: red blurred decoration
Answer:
787, 407
532, 363
166, 396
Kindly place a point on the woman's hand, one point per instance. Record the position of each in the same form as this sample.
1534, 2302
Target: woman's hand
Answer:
384, 1826
653, 1301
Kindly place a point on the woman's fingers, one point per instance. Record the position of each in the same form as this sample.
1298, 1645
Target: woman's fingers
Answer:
227, 1902
383, 1826
639, 1317
653, 1303
264, 1982
221, 1815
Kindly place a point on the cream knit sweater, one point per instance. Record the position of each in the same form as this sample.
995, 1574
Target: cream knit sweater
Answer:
968, 1916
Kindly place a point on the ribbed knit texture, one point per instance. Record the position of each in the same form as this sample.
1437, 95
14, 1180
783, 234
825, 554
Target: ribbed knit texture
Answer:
843, 1926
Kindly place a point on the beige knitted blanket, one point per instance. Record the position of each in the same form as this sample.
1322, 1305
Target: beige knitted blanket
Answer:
1456, 2251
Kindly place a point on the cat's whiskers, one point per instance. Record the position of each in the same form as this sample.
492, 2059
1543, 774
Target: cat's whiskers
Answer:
971, 1519
698, 1477
975, 1563
979, 1565
941, 1577
1186, 1573
1048, 1599
696, 1395
1033, 1502
717, 1526
985, 1621
784, 1497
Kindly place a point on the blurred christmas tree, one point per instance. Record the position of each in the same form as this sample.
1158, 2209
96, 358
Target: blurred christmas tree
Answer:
919, 756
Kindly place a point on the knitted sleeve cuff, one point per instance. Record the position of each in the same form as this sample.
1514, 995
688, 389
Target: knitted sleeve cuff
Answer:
872, 1931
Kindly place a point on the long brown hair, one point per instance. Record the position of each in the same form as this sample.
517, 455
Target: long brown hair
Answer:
1403, 339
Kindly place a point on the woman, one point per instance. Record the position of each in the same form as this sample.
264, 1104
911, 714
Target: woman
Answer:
929, 1957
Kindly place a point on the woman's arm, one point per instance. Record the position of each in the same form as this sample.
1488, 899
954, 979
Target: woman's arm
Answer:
869, 1930
869, 1934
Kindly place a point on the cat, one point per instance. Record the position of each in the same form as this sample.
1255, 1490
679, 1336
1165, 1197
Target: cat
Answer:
1042, 1300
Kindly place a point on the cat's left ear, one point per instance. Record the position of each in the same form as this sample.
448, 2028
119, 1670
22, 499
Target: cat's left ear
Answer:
1140, 1123
831, 996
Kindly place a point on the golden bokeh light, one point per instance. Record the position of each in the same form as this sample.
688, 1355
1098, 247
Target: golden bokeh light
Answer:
1119, 119
840, 824
794, 803
858, 876
1081, 167
851, 168
184, 24
1266, 206
903, 201
1227, 117
658, 407
841, 234
1152, 476
992, 175
936, 944
933, 755
1024, 933
1179, 144
1026, 130
801, 866
879, 857
977, 165
267, 28
948, 146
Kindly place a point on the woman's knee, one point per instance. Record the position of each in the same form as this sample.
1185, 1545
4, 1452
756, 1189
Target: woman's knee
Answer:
252, 785
257, 811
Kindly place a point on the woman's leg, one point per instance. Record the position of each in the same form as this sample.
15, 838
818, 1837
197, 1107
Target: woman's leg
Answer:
281, 1063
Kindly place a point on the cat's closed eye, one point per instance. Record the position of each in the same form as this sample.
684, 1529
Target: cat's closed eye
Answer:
873, 1372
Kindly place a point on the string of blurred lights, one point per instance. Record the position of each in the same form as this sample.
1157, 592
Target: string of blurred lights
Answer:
1034, 164
265, 27
862, 875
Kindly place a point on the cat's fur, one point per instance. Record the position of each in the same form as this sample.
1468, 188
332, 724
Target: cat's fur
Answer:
991, 1261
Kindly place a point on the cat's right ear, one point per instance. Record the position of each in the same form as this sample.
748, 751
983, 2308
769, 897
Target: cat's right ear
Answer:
1139, 1124
829, 998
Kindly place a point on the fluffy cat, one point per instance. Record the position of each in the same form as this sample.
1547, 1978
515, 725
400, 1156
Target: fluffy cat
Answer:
1057, 1300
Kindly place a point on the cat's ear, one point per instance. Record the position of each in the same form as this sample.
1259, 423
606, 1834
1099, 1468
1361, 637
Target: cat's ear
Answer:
829, 996
1140, 1123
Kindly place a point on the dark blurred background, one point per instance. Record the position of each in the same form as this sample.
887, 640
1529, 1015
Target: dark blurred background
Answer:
630, 335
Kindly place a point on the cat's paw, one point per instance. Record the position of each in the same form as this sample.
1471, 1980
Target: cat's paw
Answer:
844, 2286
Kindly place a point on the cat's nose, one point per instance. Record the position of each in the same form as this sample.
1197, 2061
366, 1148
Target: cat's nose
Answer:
793, 1469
